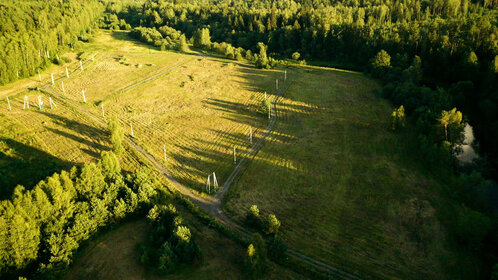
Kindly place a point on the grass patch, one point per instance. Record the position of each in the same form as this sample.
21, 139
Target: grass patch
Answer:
344, 185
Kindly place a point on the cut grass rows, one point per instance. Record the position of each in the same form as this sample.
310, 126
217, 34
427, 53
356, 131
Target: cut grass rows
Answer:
198, 140
331, 172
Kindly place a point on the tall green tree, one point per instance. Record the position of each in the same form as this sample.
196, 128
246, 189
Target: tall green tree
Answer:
117, 135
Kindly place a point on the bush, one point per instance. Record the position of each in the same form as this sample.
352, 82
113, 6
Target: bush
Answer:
252, 218
265, 106
273, 224
256, 261
277, 249
296, 56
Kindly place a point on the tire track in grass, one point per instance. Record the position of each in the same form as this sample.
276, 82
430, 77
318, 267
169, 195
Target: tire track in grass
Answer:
212, 204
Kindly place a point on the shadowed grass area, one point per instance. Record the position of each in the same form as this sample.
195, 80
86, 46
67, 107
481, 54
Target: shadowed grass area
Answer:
343, 184
114, 255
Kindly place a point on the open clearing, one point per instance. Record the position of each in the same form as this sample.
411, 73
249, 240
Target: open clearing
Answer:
341, 183
189, 106
198, 108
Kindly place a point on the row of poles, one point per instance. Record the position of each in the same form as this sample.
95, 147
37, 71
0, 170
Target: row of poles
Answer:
51, 102
208, 181
213, 175
215, 182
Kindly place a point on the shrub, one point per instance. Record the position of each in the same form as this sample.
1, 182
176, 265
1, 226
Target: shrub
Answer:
273, 224
256, 261
398, 118
296, 56
252, 218
276, 249
265, 106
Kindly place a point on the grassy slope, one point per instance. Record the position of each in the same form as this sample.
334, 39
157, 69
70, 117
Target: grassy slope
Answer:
342, 184
40, 142
200, 109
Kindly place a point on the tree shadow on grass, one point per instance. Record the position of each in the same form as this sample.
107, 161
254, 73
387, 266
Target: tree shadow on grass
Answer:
125, 36
21, 164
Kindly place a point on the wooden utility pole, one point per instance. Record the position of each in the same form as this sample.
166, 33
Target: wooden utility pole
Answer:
8, 102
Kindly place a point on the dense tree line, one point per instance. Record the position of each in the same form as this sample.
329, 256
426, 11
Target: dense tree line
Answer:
34, 33
40, 229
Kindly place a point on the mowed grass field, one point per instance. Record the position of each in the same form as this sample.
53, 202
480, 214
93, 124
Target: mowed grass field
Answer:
199, 112
342, 183
198, 108
34, 143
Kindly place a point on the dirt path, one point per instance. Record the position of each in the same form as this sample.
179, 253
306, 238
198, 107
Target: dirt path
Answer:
212, 204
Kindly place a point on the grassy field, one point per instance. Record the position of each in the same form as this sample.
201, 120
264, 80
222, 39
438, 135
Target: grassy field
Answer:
343, 184
199, 108
40, 142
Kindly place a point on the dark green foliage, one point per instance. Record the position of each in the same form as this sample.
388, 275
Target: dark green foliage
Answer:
398, 118
277, 249
44, 226
201, 38
34, 32
170, 242
380, 64
256, 261
494, 273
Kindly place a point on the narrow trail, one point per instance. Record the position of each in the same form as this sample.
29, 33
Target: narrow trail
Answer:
213, 204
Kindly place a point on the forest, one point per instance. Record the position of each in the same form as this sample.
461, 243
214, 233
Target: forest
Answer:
34, 33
